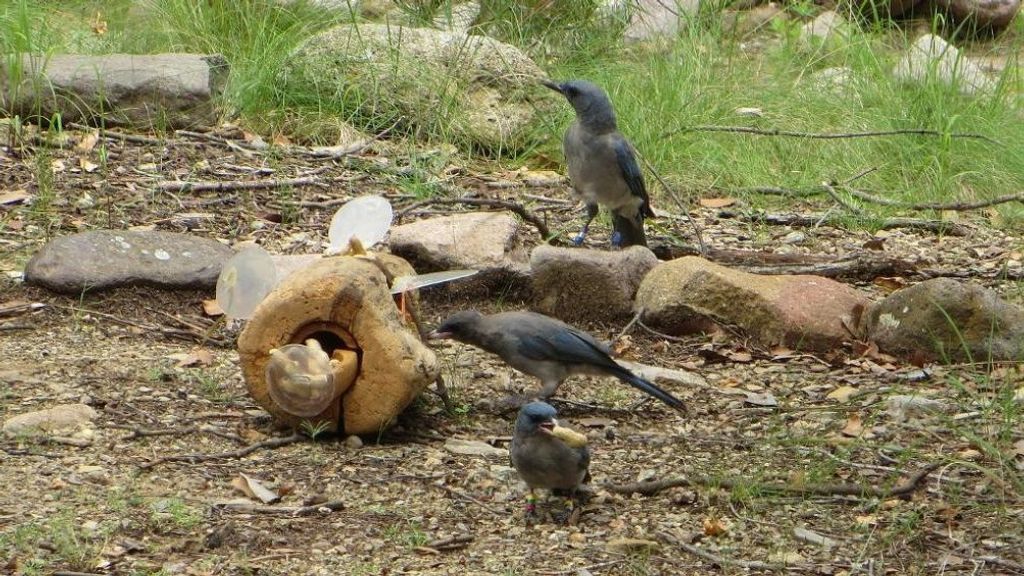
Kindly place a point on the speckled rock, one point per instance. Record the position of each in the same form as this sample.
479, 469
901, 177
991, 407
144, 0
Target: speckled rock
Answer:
102, 259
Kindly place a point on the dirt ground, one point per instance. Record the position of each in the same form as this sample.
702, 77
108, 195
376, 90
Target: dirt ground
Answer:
401, 503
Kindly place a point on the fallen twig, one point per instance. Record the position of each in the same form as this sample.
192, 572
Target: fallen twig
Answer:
721, 560
950, 206
833, 135
653, 487
222, 186
247, 508
629, 326
518, 209
812, 220
448, 544
241, 452
865, 265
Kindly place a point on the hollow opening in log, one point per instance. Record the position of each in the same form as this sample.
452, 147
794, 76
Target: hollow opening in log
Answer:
330, 336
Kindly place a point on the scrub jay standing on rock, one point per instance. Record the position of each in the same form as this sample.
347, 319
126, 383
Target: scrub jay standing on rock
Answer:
602, 164
543, 458
542, 347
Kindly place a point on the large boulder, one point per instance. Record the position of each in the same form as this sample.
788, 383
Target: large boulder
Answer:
474, 89
102, 259
984, 14
576, 284
145, 91
932, 59
945, 319
805, 312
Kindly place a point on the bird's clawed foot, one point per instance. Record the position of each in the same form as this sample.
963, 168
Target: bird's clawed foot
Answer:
581, 237
617, 239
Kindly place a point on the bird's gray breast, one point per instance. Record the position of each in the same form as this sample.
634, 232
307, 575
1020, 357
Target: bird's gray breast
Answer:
547, 463
594, 169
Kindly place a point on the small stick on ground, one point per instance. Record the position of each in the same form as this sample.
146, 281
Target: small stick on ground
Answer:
629, 326
518, 209
449, 544
653, 487
246, 508
224, 186
721, 560
241, 452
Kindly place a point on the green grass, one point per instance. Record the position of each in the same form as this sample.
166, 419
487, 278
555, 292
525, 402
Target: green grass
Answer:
661, 92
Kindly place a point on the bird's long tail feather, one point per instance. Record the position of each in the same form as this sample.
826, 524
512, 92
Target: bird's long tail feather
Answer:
649, 388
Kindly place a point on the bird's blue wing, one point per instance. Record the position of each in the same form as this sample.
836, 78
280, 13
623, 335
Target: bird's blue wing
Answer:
566, 346
626, 158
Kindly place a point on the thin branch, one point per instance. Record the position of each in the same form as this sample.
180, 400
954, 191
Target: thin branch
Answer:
781, 219
951, 206
834, 135
247, 508
629, 326
240, 453
721, 560
653, 487
654, 332
697, 232
224, 186
518, 209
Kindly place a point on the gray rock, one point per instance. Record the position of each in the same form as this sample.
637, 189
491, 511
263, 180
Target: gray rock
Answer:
826, 26
474, 240
577, 284
485, 241
658, 18
459, 18
145, 91
932, 59
473, 88
805, 312
66, 418
945, 319
102, 259
984, 14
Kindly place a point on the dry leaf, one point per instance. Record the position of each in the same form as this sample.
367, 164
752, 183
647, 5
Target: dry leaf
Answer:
890, 283
88, 166
212, 308
739, 356
199, 357
716, 202
252, 488
622, 345
13, 197
854, 426
281, 140
842, 394
58, 166
714, 526
99, 25
766, 399
88, 141
874, 244
866, 520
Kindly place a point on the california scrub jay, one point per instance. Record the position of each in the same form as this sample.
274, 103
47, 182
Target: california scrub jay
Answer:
544, 460
602, 164
542, 347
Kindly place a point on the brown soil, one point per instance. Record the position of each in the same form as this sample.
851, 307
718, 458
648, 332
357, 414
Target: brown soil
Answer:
104, 508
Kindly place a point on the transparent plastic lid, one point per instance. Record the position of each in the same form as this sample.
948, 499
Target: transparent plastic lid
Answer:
366, 218
245, 281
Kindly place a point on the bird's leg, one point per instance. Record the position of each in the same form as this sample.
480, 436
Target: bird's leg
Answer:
591, 214
531, 503
617, 239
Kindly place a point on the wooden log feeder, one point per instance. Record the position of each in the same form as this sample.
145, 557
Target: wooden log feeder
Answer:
330, 347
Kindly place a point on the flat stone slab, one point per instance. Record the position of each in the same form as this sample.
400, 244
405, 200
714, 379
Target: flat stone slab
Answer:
142, 90
103, 259
63, 418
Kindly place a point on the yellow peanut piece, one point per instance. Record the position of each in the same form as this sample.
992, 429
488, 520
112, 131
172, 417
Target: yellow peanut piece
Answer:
570, 437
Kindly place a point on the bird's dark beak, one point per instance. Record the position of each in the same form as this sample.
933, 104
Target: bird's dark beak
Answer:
553, 85
439, 335
547, 427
